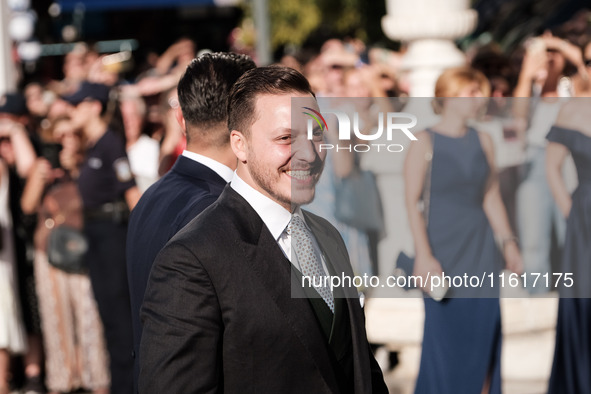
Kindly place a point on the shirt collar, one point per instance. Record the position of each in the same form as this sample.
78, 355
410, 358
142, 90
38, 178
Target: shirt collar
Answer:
222, 170
275, 217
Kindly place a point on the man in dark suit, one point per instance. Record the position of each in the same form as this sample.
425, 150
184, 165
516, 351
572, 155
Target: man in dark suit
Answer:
225, 310
198, 176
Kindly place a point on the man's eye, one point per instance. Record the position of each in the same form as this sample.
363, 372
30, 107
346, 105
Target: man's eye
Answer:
318, 134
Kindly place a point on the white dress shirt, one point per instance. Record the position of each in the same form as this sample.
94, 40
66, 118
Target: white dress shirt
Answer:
275, 217
221, 169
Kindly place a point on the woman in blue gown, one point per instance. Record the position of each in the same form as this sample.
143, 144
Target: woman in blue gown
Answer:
462, 334
571, 369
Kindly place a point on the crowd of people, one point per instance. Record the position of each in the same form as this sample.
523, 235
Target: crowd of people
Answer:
98, 173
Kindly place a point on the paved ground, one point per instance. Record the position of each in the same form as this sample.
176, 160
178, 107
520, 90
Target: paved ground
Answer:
397, 385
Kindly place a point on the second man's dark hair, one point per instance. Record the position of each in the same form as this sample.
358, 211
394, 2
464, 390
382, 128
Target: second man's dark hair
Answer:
204, 87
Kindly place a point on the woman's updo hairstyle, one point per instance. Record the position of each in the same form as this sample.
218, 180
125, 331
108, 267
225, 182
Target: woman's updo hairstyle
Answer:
451, 82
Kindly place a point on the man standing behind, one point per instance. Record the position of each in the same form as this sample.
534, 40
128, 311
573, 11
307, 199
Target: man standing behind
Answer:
198, 176
219, 314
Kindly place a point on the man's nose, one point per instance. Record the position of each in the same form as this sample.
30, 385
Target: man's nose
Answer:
304, 149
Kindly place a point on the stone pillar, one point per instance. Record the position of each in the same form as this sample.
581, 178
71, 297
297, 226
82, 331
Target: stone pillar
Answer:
7, 73
429, 27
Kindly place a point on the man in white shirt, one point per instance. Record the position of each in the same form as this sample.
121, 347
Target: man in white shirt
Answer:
224, 309
196, 179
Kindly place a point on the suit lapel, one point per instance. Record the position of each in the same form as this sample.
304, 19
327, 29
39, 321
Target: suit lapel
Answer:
266, 259
337, 257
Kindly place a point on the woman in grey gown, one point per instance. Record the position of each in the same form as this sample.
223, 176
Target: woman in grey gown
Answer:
462, 333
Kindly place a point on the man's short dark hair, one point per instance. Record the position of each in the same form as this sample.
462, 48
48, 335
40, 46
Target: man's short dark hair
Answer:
204, 87
261, 81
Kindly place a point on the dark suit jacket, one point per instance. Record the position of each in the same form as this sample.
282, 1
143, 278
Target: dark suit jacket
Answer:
166, 207
219, 315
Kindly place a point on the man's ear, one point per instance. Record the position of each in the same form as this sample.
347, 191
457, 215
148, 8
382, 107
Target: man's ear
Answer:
178, 114
239, 145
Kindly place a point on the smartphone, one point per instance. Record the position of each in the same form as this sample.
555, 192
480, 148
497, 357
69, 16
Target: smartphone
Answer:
51, 151
535, 45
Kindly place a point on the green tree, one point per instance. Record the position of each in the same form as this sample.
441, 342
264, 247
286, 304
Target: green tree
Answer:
292, 21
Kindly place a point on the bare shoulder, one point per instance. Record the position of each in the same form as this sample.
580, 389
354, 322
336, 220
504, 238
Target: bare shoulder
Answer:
423, 142
423, 135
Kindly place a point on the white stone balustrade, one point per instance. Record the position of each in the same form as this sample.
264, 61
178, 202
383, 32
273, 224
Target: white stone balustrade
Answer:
429, 27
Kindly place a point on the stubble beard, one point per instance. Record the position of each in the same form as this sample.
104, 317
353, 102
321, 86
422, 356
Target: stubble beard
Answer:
268, 180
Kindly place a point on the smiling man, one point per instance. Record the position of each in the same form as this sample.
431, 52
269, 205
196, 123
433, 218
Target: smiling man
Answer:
224, 311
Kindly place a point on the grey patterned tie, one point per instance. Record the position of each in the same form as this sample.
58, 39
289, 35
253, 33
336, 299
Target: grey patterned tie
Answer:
309, 264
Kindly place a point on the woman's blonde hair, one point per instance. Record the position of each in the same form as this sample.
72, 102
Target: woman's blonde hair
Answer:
451, 82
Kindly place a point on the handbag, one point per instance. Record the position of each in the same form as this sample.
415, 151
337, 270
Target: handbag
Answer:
66, 247
66, 244
357, 201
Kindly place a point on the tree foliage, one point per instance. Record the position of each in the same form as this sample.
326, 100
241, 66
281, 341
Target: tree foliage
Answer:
293, 20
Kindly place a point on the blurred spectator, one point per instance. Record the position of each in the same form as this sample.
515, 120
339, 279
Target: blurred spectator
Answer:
368, 98
76, 355
571, 135
388, 63
75, 69
339, 165
336, 59
168, 69
39, 101
173, 140
541, 79
497, 67
12, 332
291, 62
15, 145
57, 109
502, 76
108, 192
17, 152
143, 152
106, 72
582, 80
314, 71
176, 58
